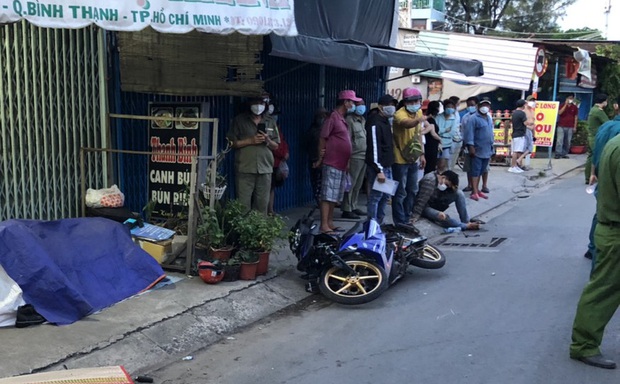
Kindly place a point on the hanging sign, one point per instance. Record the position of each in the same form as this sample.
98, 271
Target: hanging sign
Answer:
250, 17
546, 114
169, 174
540, 66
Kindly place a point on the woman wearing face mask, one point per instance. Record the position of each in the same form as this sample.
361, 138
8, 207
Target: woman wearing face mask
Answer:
279, 155
254, 136
431, 135
446, 122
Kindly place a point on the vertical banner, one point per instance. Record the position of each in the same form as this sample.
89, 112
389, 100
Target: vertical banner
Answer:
546, 114
169, 175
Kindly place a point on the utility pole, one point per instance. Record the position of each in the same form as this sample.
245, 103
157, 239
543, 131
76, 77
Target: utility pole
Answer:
607, 11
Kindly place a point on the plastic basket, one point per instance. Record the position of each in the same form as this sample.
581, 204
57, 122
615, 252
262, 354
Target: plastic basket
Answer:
218, 192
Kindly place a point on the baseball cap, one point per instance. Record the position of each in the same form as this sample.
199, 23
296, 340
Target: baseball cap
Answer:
348, 95
521, 103
387, 100
485, 100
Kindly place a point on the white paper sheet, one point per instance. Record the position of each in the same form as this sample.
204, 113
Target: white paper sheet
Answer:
388, 186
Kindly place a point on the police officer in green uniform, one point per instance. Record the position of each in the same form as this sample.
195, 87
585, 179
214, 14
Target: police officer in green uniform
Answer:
601, 296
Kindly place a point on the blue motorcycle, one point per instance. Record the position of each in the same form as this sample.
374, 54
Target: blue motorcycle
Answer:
359, 266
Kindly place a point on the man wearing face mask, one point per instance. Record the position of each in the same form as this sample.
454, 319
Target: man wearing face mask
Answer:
379, 154
334, 155
357, 165
407, 134
472, 108
567, 125
479, 140
436, 193
254, 137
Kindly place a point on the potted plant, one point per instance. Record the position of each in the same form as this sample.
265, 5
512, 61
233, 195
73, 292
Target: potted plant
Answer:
579, 143
259, 233
217, 230
220, 181
249, 264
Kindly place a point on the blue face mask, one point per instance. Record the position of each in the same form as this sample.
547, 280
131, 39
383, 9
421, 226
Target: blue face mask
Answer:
360, 110
471, 108
449, 111
352, 109
413, 108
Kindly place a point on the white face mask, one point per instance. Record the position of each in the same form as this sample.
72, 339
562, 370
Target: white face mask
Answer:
484, 110
271, 109
258, 109
442, 187
531, 104
569, 101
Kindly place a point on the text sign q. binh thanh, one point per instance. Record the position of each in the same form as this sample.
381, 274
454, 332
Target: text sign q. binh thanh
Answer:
249, 17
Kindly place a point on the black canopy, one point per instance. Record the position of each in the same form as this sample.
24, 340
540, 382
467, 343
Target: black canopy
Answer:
362, 57
359, 35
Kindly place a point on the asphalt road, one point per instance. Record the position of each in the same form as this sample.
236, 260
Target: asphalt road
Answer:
491, 315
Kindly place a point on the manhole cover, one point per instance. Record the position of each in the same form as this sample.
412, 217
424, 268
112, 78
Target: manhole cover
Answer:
472, 242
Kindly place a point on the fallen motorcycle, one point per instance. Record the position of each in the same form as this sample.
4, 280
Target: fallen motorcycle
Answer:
359, 266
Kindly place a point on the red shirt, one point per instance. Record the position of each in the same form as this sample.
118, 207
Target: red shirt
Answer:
338, 141
567, 119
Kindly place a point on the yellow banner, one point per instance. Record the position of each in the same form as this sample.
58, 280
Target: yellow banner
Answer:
546, 114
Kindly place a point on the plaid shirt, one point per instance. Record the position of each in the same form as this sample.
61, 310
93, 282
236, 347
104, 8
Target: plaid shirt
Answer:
427, 190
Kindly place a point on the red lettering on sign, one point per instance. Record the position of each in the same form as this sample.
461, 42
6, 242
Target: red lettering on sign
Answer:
164, 152
540, 116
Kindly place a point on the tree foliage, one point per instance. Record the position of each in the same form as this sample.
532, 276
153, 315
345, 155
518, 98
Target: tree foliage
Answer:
482, 16
609, 79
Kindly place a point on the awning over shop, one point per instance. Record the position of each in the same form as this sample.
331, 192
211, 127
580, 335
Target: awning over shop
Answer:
250, 17
507, 64
362, 57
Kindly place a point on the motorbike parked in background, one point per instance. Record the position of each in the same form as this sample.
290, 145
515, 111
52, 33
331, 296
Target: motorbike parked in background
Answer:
359, 266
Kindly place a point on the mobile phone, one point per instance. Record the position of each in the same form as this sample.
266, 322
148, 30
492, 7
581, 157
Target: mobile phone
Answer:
261, 127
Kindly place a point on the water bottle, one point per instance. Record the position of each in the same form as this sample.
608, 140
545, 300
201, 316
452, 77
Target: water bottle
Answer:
591, 188
452, 230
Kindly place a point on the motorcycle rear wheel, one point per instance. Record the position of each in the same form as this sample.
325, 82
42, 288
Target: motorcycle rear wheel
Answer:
369, 283
428, 258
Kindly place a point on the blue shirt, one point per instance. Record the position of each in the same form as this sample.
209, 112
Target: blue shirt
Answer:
447, 127
479, 134
606, 132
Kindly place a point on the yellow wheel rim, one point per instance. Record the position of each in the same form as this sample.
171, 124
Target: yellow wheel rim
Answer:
368, 278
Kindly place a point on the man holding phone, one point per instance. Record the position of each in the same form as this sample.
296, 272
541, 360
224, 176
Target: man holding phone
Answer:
254, 136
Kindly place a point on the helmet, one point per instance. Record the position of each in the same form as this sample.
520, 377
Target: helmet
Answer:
209, 272
411, 94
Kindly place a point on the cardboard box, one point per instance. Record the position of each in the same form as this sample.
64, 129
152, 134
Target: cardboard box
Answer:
160, 250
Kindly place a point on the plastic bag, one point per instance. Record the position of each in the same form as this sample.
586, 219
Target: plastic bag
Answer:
107, 197
10, 299
348, 183
283, 169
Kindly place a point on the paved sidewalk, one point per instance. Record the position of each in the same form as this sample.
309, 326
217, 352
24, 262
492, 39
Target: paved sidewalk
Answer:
169, 323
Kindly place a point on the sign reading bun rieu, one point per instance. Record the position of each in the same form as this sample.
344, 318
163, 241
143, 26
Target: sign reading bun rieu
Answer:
173, 144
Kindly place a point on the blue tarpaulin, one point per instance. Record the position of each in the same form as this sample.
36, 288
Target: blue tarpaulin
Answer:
70, 268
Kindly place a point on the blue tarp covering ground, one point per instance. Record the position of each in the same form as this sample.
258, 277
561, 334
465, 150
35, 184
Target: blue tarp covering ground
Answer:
71, 268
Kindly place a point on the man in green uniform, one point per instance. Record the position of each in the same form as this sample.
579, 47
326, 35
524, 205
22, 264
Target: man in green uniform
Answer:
254, 136
596, 118
601, 296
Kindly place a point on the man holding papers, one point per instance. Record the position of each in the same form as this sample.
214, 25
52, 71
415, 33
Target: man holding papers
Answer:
380, 156
435, 195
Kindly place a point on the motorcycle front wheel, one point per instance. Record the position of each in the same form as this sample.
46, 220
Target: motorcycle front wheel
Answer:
368, 283
428, 257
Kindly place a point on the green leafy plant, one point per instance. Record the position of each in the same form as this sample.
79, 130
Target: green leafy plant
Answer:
247, 256
259, 232
580, 136
217, 227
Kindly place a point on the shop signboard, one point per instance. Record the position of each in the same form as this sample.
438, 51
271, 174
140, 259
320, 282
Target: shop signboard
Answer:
546, 115
250, 17
169, 174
